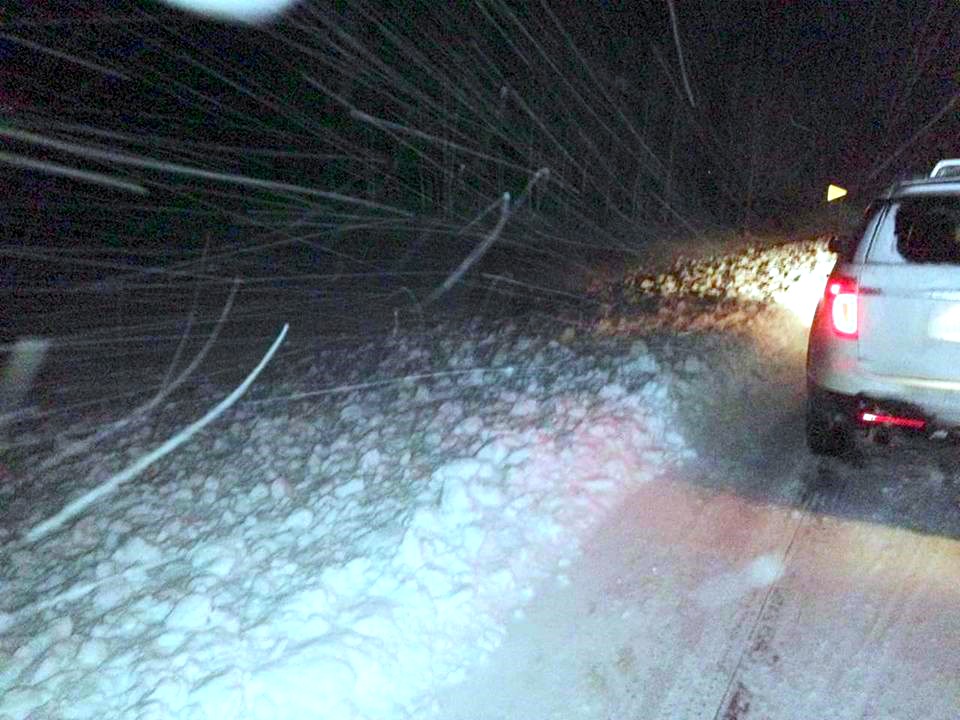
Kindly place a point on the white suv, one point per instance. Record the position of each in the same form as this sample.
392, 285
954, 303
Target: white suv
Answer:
884, 348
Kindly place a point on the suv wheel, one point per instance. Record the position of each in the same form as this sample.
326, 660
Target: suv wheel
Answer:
826, 434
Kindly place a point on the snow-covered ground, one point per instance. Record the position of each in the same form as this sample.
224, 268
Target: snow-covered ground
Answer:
331, 554
358, 535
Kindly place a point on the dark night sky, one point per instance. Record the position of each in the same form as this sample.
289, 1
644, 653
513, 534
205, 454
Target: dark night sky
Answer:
861, 76
839, 85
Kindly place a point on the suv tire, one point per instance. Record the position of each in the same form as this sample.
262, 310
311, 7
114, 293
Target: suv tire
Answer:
826, 435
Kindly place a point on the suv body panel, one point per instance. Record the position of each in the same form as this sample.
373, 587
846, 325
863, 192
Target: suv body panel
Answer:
910, 321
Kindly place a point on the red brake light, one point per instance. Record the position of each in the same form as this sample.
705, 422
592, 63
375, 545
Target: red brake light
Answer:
872, 418
841, 298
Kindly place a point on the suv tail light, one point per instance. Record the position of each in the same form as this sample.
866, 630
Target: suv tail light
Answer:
841, 297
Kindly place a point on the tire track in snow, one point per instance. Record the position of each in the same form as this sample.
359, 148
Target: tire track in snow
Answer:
760, 645
866, 627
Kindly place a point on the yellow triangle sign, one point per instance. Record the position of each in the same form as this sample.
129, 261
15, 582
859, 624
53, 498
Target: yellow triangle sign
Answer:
835, 192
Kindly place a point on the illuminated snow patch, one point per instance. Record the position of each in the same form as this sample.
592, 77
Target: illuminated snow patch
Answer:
801, 295
765, 570
730, 587
791, 275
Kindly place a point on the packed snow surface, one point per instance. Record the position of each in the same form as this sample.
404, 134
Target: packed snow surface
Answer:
336, 555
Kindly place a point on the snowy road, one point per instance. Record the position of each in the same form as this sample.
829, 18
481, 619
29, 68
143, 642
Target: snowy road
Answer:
368, 526
694, 604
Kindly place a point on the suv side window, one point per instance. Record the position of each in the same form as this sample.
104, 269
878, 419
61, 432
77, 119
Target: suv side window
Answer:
927, 230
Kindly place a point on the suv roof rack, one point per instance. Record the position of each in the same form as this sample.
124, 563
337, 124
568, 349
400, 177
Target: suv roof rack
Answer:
946, 168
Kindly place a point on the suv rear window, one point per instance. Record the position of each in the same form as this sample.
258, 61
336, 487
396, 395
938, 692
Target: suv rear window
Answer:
927, 229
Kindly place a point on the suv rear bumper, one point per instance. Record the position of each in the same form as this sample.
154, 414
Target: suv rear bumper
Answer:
835, 368
941, 411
